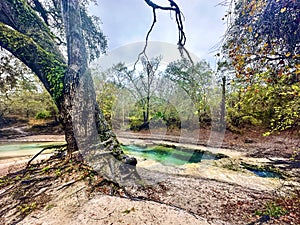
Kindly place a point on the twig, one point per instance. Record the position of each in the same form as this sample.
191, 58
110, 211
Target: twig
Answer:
34, 180
183, 50
7, 191
44, 149
67, 184
42, 190
142, 198
76, 192
147, 38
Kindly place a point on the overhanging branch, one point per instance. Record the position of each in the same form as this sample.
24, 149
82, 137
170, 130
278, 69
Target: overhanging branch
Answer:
181, 35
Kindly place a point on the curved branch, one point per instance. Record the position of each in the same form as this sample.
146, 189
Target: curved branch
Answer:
22, 18
178, 14
181, 35
146, 44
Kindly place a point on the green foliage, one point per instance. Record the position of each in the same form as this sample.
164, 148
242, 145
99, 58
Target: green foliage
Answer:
27, 98
30, 38
106, 94
296, 155
272, 210
289, 115
262, 34
95, 40
27, 208
55, 76
261, 46
162, 115
58, 172
21, 93
50, 206
43, 115
45, 62
12, 72
135, 122
46, 169
94, 37
127, 211
138, 98
274, 105
195, 80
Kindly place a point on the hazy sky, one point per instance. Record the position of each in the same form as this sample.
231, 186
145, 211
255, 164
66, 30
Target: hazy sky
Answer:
128, 21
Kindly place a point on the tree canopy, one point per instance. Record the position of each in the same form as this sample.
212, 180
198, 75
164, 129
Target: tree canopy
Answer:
195, 80
262, 45
264, 36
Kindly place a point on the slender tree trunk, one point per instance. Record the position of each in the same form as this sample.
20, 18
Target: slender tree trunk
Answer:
223, 107
148, 109
199, 117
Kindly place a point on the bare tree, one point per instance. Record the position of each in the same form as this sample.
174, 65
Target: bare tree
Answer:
141, 84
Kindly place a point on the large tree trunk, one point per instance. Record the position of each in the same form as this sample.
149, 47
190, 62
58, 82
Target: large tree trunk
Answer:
27, 37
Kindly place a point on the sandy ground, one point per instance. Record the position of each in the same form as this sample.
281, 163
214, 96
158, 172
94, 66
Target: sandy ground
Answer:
73, 207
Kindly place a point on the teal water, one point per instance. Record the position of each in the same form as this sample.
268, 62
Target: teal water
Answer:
13, 147
169, 156
177, 156
263, 173
8, 147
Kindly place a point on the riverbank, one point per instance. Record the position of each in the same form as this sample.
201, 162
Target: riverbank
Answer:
206, 169
16, 159
249, 140
165, 198
12, 160
179, 196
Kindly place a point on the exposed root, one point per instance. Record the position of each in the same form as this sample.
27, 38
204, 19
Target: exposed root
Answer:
32, 188
58, 147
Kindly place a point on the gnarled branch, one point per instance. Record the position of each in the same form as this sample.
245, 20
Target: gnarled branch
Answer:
179, 18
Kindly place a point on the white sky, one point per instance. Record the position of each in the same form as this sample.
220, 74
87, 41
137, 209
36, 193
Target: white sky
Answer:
128, 21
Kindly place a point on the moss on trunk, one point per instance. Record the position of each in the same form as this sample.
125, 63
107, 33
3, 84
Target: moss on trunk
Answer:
46, 65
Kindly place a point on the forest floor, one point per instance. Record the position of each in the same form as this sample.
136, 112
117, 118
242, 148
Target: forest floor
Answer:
71, 195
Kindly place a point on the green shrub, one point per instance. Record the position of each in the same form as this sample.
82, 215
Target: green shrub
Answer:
43, 115
272, 210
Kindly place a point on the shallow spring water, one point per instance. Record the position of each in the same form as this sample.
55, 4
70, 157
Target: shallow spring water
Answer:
268, 174
169, 156
23, 146
177, 156
20, 149
161, 154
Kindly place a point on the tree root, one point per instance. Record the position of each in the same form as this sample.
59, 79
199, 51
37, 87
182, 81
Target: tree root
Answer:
68, 184
59, 147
